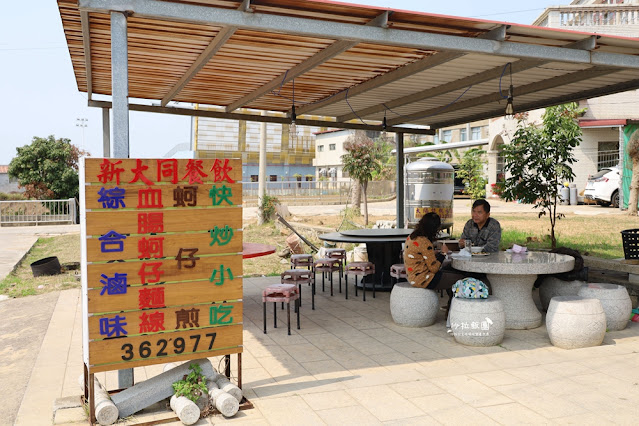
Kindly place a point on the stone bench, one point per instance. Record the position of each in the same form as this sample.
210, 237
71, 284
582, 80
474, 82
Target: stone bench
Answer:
551, 287
478, 322
615, 302
413, 306
574, 322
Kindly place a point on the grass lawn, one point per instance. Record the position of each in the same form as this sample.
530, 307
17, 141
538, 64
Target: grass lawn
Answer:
592, 235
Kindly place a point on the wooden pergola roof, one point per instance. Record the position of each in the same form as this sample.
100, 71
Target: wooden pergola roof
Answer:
348, 64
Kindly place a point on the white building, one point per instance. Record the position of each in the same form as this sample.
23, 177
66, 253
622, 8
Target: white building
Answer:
606, 117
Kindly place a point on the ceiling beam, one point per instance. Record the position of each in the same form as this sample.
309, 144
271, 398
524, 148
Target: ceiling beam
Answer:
589, 43
518, 66
549, 83
497, 34
245, 6
432, 92
262, 118
319, 58
573, 97
216, 44
194, 13
86, 43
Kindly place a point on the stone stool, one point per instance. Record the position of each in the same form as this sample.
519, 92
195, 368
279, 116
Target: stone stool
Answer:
615, 302
284, 293
413, 306
302, 260
398, 272
361, 269
575, 322
327, 265
478, 322
299, 277
551, 287
340, 254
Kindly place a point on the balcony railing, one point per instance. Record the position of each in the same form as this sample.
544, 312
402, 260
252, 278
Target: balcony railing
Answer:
598, 17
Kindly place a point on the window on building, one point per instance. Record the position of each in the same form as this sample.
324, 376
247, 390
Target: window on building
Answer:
272, 178
320, 148
447, 135
253, 178
463, 134
345, 173
331, 147
607, 154
475, 133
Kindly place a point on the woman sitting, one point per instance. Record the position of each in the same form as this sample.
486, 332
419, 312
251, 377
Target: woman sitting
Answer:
423, 263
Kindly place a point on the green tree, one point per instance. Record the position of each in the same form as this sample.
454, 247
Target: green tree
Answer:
48, 168
361, 160
388, 164
539, 160
471, 169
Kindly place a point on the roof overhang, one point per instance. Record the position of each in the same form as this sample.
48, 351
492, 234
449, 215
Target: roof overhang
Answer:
592, 124
344, 65
444, 146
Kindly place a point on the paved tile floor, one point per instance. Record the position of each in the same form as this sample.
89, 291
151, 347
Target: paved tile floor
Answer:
350, 364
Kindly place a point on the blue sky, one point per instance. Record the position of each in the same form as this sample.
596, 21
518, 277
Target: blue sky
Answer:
41, 96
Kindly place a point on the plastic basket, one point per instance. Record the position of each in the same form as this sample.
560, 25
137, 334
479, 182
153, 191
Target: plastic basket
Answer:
630, 238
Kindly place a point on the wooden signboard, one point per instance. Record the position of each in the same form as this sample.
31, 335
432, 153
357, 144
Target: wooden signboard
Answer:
161, 260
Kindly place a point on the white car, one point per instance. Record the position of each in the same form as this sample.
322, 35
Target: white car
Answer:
603, 187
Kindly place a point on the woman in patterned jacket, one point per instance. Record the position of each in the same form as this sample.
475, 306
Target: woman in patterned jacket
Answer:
423, 263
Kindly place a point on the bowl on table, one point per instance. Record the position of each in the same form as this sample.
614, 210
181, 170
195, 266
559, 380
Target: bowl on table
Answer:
474, 249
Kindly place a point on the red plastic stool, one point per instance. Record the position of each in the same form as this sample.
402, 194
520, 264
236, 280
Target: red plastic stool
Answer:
284, 293
330, 266
361, 269
302, 260
299, 277
340, 254
398, 271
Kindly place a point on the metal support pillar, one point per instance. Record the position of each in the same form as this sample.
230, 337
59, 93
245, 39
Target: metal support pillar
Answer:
261, 174
120, 84
106, 133
120, 94
399, 139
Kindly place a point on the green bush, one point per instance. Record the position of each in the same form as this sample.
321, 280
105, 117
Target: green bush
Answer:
267, 207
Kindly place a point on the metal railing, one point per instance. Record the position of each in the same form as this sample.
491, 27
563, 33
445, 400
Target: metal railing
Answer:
607, 159
38, 212
317, 192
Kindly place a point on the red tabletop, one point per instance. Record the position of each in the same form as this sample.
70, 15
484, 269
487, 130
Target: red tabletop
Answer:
250, 250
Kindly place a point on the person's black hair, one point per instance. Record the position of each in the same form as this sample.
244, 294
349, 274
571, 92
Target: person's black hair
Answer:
481, 202
428, 226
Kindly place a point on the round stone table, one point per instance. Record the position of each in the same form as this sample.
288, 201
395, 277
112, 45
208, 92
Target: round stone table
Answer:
512, 277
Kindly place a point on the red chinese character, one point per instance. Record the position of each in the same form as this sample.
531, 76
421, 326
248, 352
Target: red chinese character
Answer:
138, 171
194, 171
109, 170
151, 297
168, 168
150, 198
154, 272
151, 247
150, 223
221, 171
151, 323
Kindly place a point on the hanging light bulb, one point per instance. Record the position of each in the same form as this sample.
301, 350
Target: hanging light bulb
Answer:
292, 129
510, 109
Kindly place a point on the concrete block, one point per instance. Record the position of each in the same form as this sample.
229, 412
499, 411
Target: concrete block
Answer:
614, 300
478, 322
185, 409
574, 322
155, 389
413, 306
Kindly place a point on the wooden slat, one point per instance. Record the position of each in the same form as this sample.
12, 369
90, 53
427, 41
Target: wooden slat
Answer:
175, 220
207, 315
112, 351
136, 270
171, 244
187, 292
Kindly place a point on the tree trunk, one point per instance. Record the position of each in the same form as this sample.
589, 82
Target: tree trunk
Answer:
356, 195
634, 188
364, 186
